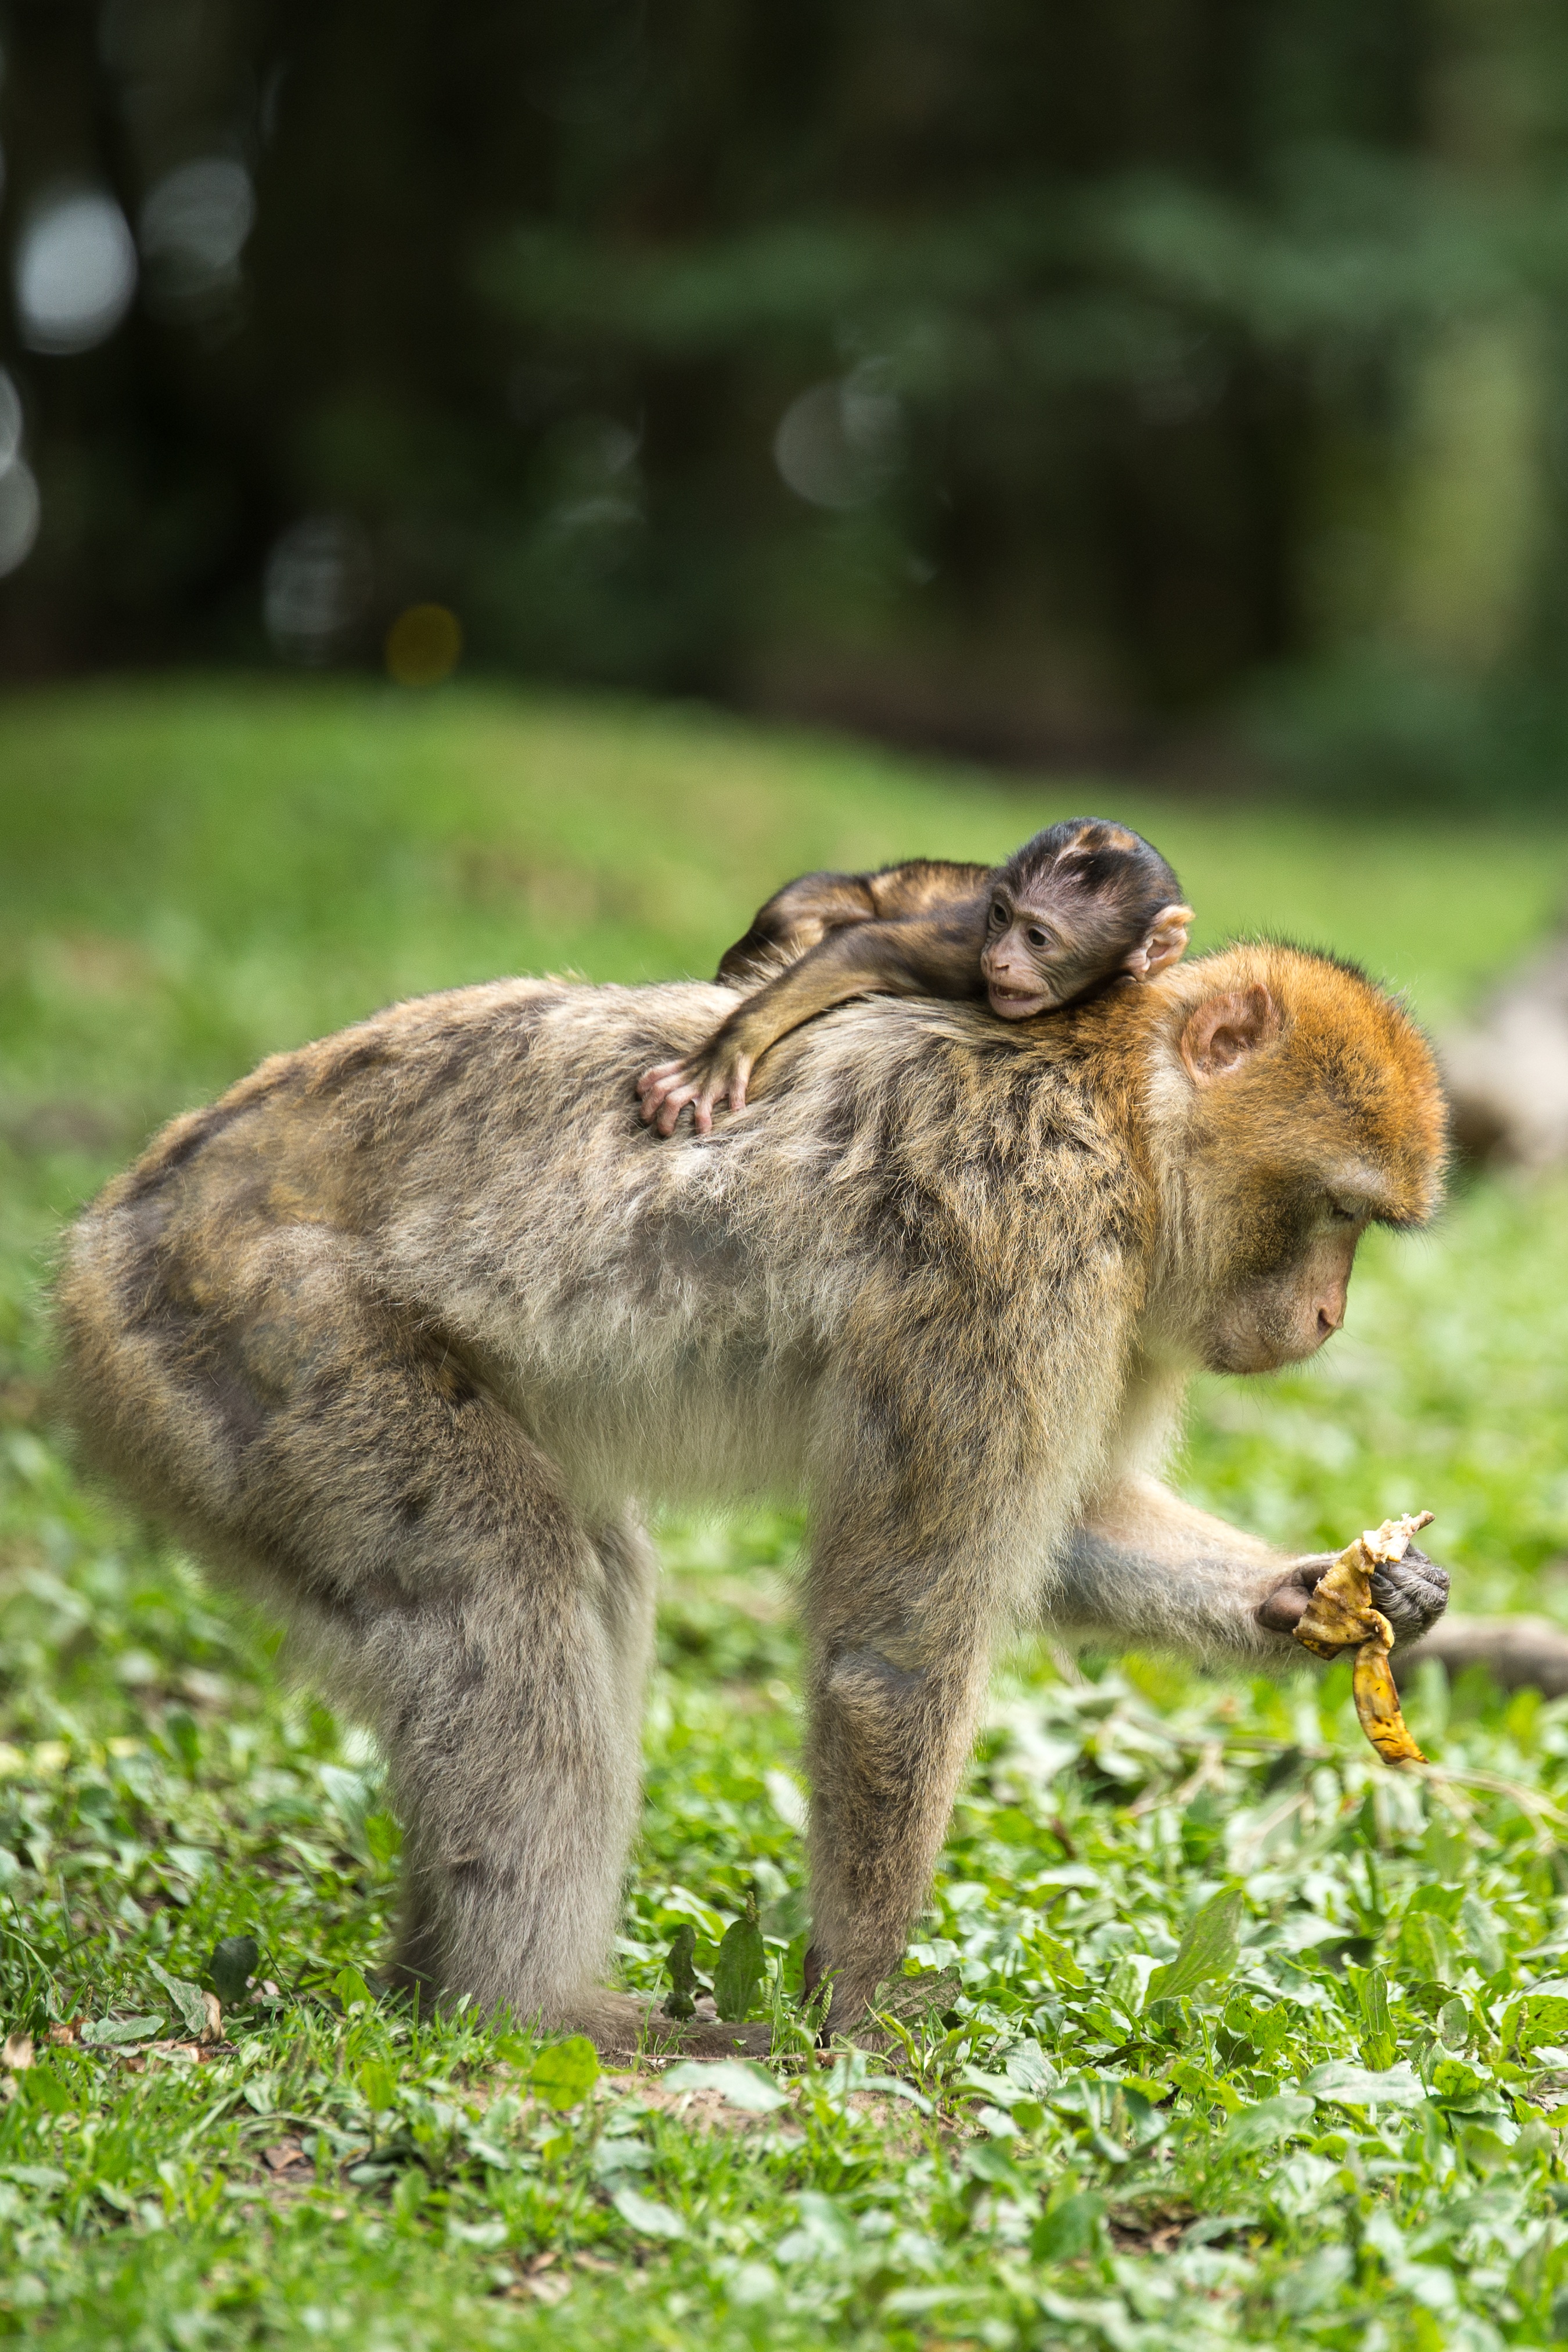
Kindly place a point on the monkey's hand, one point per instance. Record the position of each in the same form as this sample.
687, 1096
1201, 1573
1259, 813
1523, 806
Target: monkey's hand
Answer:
715, 1073
1412, 1593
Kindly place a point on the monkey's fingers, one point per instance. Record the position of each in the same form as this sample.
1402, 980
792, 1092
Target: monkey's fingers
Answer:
1377, 1700
1340, 1610
674, 1102
655, 1088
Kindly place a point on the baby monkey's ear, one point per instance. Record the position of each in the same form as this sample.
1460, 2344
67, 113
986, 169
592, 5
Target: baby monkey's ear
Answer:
1165, 942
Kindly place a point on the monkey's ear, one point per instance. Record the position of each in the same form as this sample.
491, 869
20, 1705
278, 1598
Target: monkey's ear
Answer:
1165, 942
1224, 1031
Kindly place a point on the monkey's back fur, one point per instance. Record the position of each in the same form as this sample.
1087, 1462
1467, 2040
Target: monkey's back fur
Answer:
404, 1331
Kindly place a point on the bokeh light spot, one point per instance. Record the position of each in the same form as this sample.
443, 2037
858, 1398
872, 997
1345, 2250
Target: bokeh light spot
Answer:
422, 645
75, 272
20, 513
194, 226
318, 578
838, 444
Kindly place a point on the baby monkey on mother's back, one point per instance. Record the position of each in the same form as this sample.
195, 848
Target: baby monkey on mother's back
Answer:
1080, 905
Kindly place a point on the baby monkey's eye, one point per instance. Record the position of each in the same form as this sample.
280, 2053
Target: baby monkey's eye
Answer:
1036, 938
998, 912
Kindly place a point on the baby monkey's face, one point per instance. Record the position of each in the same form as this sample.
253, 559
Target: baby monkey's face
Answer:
1033, 957
1044, 946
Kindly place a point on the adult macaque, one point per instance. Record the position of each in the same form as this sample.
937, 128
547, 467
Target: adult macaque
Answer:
1079, 905
394, 1332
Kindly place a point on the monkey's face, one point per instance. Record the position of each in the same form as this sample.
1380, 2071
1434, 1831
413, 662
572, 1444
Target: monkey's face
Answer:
1292, 1295
1297, 1138
1039, 952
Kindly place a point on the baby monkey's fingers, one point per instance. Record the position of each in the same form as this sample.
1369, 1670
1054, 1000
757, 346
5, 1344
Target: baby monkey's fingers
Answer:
725, 1082
707, 1079
655, 1084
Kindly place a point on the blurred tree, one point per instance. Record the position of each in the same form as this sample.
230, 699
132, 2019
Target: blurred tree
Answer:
1015, 376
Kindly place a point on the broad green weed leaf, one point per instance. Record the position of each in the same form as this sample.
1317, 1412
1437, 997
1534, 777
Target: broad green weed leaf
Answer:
987, 2160
232, 1966
379, 2085
1207, 1951
1069, 2228
1058, 1962
680, 2001
1482, 1936
105, 2032
44, 2089
352, 1990
738, 2085
383, 1837
565, 2073
739, 1969
1540, 2015
1312, 2283
648, 2215
1358, 2086
1271, 2120
186, 1998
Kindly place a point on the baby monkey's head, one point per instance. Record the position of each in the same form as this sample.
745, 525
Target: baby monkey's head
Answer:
1080, 904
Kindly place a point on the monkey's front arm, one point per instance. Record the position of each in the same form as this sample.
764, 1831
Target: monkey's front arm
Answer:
1146, 1569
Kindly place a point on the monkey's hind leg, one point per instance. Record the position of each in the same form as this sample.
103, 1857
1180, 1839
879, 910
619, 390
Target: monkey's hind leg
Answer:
513, 1738
309, 1432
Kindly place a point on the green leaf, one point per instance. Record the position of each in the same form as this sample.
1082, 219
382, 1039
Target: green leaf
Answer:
34, 2176
987, 2160
1058, 1962
352, 1990
231, 1966
186, 1998
739, 2085
741, 1967
378, 2085
1271, 2120
1207, 1951
383, 1836
45, 2089
104, 2032
565, 2073
1356, 2086
648, 2215
1539, 2015
1069, 2228
1483, 1938
680, 2001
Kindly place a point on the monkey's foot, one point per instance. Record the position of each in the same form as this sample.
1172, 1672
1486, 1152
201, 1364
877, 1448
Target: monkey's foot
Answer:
699, 2037
624, 2027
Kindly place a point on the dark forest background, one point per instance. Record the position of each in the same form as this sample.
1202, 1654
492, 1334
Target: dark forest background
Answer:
1173, 384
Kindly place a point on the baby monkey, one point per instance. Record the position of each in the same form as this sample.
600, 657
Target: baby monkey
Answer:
1080, 905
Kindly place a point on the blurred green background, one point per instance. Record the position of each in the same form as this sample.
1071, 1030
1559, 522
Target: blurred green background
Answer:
1172, 388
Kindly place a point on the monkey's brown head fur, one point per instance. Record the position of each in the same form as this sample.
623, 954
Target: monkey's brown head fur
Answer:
1298, 1104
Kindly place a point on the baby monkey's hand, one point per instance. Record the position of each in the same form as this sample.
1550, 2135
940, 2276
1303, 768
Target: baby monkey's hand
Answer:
712, 1077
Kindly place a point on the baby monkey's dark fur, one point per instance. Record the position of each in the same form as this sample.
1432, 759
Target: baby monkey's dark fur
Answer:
1082, 904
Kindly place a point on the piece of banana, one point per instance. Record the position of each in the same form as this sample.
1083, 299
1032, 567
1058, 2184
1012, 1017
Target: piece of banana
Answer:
1340, 1611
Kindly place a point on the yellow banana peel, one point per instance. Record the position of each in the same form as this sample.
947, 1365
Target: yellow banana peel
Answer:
1340, 1611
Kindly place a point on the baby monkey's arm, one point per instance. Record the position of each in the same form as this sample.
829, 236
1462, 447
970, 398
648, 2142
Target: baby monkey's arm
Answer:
914, 930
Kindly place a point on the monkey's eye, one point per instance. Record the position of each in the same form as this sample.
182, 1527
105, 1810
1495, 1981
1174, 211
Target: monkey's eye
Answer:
1036, 938
1343, 1213
998, 913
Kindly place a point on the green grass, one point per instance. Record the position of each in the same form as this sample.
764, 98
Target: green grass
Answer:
193, 875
